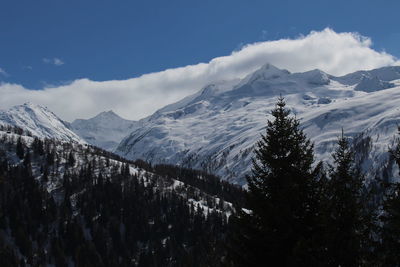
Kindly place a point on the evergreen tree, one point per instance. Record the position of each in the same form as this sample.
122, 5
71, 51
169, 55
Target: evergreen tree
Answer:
281, 226
71, 159
396, 152
390, 231
20, 148
37, 146
347, 219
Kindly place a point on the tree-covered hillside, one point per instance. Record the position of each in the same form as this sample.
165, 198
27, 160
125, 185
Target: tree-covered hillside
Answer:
67, 203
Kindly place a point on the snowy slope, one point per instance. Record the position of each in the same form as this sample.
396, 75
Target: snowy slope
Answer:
39, 121
105, 130
216, 128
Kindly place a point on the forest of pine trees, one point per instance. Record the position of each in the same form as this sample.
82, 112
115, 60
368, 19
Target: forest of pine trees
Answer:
300, 215
101, 214
64, 204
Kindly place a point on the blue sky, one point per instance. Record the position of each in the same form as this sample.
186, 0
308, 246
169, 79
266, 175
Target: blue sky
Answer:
54, 42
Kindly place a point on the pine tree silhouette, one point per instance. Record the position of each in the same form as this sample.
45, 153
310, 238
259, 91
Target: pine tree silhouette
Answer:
347, 218
281, 224
390, 231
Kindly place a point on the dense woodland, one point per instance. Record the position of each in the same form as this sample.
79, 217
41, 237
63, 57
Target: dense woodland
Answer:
65, 204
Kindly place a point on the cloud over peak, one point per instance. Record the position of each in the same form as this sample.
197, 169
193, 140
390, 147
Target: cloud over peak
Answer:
332, 52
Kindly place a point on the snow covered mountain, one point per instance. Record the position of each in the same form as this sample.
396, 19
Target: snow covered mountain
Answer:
216, 128
106, 130
39, 121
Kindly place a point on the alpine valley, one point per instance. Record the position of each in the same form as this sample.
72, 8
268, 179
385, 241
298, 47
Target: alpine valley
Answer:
160, 191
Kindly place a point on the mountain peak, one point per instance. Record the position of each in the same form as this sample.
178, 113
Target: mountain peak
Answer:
32, 105
266, 72
39, 121
105, 130
108, 114
34, 110
314, 77
270, 71
269, 66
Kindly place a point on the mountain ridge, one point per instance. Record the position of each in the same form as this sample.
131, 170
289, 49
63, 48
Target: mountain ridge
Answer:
39, 121
215, 129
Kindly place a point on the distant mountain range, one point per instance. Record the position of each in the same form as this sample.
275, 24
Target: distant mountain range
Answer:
216, 128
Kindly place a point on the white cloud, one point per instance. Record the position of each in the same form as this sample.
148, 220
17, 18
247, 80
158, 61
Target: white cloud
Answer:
264, 35
3, 73
55, 61
335, 53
